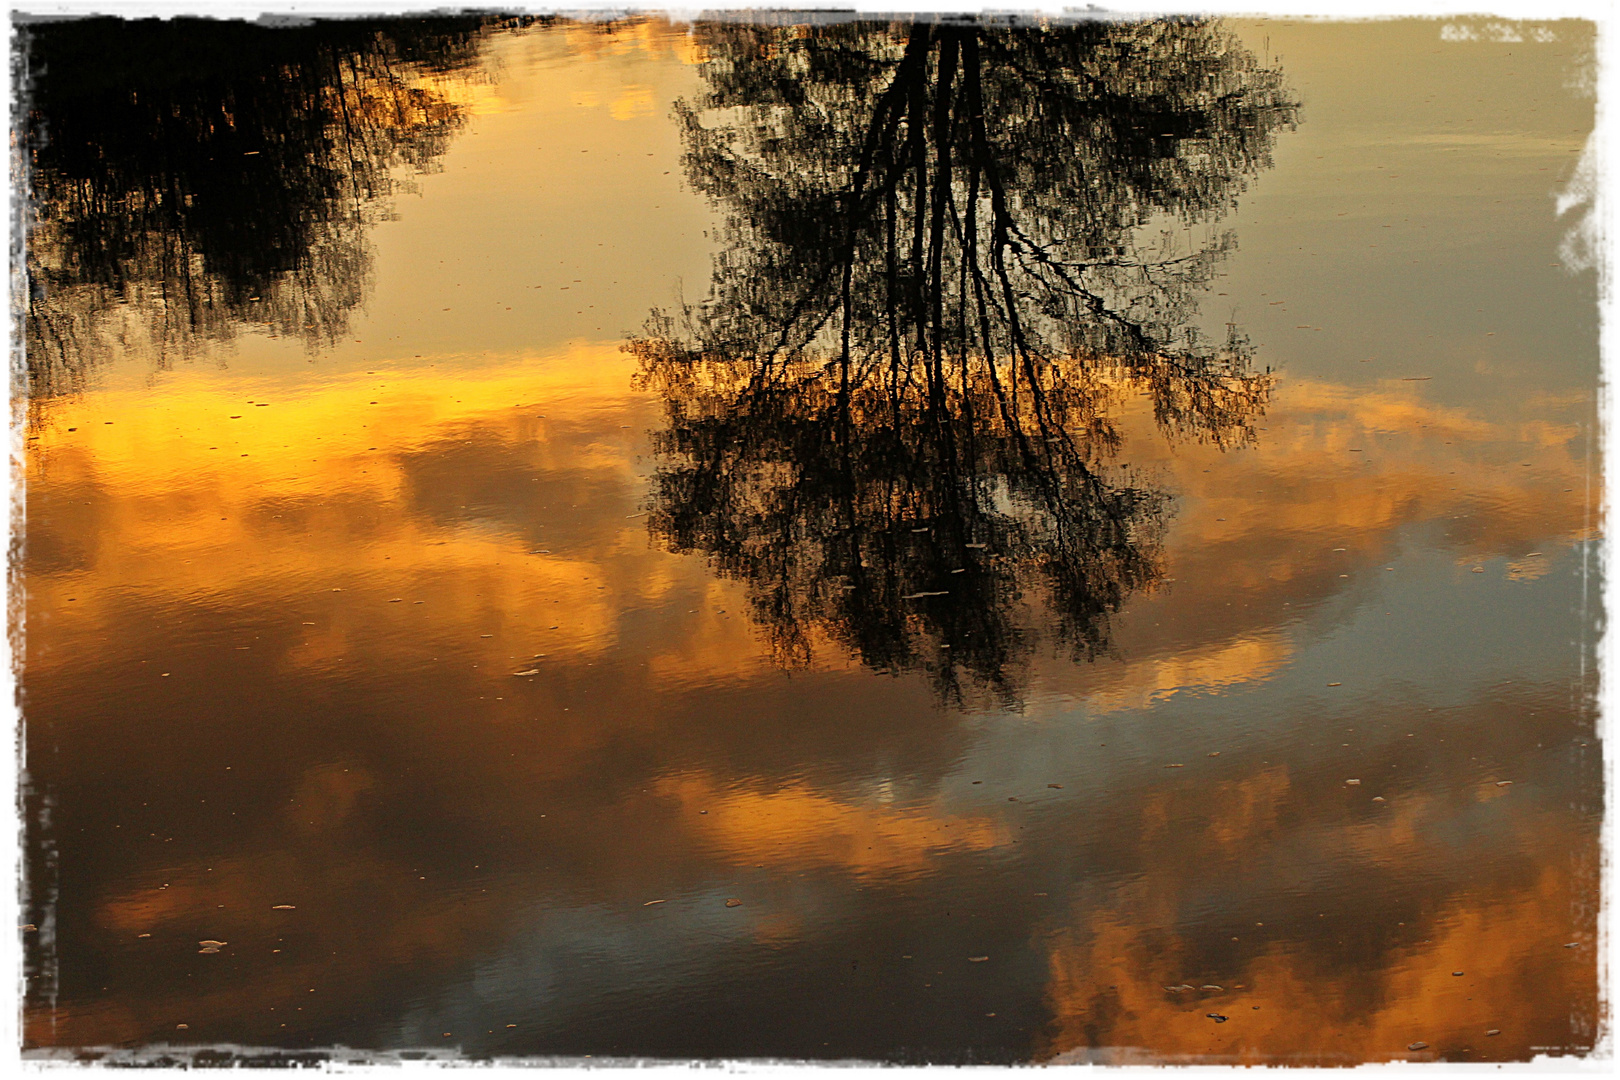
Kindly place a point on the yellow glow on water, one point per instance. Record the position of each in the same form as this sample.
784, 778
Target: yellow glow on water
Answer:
798, 827
221, 489
1204, 669
1278, 1009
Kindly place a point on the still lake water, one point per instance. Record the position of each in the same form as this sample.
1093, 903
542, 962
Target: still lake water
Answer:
915, 542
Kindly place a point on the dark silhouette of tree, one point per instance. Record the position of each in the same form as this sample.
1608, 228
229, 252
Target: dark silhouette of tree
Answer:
953, 248
190, 177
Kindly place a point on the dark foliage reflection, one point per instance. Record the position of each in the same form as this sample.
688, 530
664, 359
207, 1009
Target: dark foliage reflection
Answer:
192, 177
953, 250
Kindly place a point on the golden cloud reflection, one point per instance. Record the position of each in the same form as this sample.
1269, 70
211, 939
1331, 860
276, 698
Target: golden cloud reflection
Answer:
1206, 669
267, 497
798, 826
365, 532
1454, 986
1327, 498
219, 492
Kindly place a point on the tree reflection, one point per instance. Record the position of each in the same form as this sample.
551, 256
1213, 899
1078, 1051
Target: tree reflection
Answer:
953, 250
193, 176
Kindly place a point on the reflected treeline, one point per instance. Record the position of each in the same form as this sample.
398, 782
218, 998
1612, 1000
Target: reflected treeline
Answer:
190, 177
953, 250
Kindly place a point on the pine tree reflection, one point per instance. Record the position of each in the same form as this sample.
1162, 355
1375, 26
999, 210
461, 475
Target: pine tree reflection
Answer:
952, 250
190, 177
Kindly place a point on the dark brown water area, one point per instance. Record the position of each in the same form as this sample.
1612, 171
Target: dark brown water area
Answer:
921, 542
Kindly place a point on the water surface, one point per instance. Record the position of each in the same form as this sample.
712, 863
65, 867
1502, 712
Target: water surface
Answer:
917, 542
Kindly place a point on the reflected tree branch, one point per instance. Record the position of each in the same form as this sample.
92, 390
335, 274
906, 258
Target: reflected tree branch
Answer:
895, 416
193, 177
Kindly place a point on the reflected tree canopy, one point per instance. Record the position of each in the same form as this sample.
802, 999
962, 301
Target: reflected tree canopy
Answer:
191, 177
953, 250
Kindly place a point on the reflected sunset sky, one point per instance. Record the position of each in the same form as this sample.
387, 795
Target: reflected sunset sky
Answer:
378, 630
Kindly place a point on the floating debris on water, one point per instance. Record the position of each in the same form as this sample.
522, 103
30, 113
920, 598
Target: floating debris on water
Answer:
733, 902
920, 595
1417, 1046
